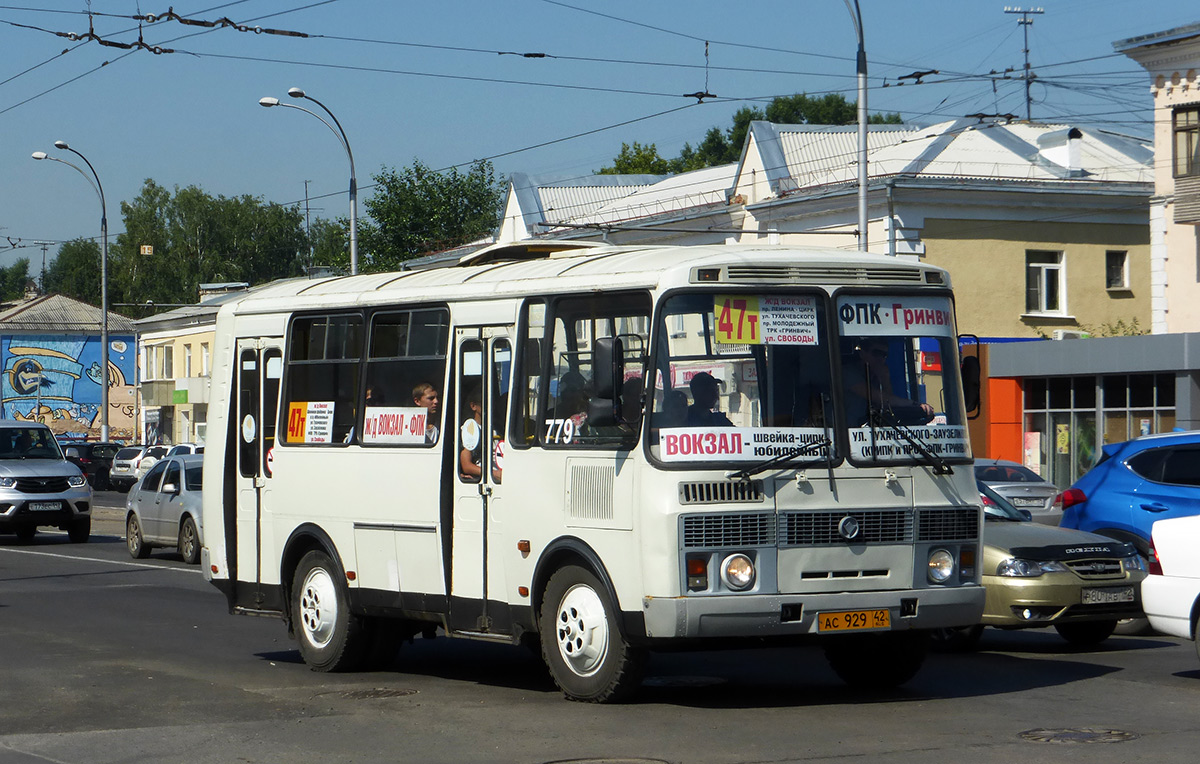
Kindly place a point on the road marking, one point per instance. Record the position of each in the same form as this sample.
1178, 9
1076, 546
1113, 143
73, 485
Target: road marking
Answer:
94, 559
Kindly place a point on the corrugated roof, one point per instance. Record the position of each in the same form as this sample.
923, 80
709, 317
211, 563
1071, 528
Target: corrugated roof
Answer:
57, 313
699, 188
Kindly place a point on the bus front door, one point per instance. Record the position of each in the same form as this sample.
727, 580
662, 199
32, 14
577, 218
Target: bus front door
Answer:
483, 364
260, 369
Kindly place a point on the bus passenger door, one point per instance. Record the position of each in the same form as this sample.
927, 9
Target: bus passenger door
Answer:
483, 365
260, 369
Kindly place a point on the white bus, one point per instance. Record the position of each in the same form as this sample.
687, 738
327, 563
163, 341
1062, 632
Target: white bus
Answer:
606, 450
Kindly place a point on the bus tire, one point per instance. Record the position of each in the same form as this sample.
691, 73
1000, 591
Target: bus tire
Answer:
331, 638
582, 644
879, 660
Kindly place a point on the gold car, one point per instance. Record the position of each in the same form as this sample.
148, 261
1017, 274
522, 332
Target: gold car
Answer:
1038, 575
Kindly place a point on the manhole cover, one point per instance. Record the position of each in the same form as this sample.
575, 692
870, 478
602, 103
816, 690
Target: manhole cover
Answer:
1080, 735
376, 693
682, 681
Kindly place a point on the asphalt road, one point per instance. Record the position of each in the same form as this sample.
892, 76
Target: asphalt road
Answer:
110, 660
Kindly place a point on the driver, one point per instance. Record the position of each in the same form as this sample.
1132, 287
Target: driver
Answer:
868, 382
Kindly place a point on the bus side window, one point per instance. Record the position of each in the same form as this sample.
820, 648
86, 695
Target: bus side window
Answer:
406, 364
323, 378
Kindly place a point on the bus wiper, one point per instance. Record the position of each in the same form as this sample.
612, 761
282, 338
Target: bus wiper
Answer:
786, 456
938, 463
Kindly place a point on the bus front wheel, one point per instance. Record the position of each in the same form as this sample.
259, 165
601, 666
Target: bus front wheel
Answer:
588, 657
877, 660
330, 637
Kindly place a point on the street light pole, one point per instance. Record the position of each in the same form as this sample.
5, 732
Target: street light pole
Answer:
861, 67
341, 136
99, 189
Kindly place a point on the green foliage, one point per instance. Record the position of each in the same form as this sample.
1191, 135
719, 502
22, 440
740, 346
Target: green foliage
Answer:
725, 146
1118, 328
418, 210
330, 242
75, 271
198, 238
13, 279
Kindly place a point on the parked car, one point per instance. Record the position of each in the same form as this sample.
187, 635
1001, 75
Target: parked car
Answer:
123, 473
1134, 484
163, 508
152, 455
1023, 487
38, 486
1037, 575
93, 459
185, 448
1171, 593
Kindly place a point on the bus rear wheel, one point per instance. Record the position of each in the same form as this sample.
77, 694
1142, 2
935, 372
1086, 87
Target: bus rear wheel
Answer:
877, 660
331, 638
582, 644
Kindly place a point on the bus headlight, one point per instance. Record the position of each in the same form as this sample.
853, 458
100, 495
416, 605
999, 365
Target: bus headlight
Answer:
737, 572
941, 566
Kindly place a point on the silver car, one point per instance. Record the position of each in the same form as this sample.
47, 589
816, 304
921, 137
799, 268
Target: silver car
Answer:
163, 508
1023, 487
38, 486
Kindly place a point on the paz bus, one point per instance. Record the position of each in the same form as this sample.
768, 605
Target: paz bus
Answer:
598, 451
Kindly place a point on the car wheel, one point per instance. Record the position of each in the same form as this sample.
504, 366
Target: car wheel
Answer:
877, 660
330, 637
26, 534
189, 541
80, 530
138, 549
582, 645
960, 639
1086, 633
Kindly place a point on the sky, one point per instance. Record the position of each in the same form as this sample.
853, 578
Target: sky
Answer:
451, 82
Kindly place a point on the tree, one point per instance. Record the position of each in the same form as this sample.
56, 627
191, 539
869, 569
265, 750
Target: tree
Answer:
725, 146
329, 242
13, 279
197, 238
418, 210
75, 271
637, 159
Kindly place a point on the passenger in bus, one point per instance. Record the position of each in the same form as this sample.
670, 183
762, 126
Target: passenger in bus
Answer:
374, 396
706, 392
674, 409
470, 458
868, 382
425, 395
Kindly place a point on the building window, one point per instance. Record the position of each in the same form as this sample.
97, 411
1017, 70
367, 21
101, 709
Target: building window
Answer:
1185, 124
1116, 270
1045, 281
168, 363
151, 367
187, 360
204, 359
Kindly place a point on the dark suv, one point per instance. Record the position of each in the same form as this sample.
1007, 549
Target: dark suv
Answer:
38, 487
94, 460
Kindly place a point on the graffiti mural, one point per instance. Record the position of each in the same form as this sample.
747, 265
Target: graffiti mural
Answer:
56, 380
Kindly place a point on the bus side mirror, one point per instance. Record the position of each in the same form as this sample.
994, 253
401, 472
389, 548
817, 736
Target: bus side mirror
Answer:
608, 374
970, 383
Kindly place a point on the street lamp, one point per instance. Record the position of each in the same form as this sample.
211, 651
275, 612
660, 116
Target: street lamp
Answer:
341, 136
856, 17
99, 189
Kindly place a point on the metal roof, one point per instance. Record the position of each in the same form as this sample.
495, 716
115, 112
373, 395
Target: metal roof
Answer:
56, 313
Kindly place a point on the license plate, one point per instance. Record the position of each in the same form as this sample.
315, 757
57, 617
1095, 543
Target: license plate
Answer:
1028, 502
1108, 596
853, 620
44, 506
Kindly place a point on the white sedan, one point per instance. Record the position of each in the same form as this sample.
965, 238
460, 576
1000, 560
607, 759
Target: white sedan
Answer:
1171, 593
163, 508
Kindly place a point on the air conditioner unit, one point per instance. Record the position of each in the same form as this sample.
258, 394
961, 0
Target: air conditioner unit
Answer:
1069, 334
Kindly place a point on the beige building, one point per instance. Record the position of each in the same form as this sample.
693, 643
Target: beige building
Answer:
1172, 59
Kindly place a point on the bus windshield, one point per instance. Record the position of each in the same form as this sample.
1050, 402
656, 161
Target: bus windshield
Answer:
742, 378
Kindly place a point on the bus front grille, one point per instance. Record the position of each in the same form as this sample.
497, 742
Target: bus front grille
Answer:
721, 492
729, 530
824, 274
948, 524
887, 526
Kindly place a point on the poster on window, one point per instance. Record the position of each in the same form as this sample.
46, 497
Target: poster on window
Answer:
310, 422
907, 316
771, 320
395, 425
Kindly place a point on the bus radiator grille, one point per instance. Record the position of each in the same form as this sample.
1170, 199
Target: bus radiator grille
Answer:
751, 529
947, 524
721, 492
888, 526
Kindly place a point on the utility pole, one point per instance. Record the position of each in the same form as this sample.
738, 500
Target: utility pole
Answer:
1025, 23
307, 230
42, 281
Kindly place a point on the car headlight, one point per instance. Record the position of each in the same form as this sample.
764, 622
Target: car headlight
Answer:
77, 481
7, 482
737, 572
1015, 567
1133, 563
941, 566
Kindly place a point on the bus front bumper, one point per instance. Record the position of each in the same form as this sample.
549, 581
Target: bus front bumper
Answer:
759, 615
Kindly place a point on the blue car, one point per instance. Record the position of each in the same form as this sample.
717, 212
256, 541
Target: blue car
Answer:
1135, 483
